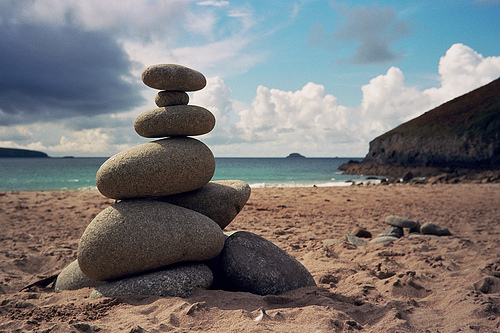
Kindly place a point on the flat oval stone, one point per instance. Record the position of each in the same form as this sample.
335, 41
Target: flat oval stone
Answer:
168, 98
174, 281
384, 239
174, 121
401, 222
220, 200
173, 77
253, 264
156, 168
72, 278
135, 236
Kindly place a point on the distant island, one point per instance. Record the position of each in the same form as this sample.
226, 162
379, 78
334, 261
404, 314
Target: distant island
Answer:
295, 155
14, 152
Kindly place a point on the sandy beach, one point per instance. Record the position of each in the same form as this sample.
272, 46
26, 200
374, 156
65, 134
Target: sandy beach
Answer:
415, 284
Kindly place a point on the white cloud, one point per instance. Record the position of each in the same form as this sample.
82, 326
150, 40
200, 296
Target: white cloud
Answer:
302, 120
388, 101
278, 122
213, 3
461, 70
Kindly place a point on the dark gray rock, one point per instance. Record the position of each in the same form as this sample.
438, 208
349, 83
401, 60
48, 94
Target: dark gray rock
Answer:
174, 121
393, 232
400, 222
135, 236
156, 168
72, 278
220, 200
251, 263
168, 98
361, 232
176, 281
432, 229
173, 77
354, 240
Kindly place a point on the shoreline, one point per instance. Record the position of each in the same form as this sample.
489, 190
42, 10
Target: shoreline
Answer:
409, 285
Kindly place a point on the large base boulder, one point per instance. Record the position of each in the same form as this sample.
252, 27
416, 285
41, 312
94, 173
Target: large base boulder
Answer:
253, 264
135, 236
176, 281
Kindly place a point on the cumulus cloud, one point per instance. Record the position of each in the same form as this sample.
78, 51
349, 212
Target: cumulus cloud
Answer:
388, 101
278, 122
305, 119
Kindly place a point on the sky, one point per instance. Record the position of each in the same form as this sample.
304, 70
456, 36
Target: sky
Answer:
321, 78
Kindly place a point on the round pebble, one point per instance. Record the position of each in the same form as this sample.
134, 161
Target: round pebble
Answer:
72, 278
220, 200
156, 168
169, 98
174, 121
173, 77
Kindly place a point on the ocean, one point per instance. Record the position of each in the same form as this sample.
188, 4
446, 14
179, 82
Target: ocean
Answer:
54, 174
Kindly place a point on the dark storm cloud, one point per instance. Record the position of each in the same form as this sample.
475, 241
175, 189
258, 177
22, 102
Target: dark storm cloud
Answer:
373, 30
49, 73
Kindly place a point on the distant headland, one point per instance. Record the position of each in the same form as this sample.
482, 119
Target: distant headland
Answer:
460, 138
14, 152
295, 155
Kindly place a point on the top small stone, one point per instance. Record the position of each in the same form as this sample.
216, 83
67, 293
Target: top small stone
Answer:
173, 77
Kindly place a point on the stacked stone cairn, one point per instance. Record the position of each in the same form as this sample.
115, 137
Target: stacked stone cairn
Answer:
163, 235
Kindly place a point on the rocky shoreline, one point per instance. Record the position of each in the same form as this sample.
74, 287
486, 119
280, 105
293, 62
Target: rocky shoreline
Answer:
432, 175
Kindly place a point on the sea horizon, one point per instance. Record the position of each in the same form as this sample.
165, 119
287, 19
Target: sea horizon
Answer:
78, 173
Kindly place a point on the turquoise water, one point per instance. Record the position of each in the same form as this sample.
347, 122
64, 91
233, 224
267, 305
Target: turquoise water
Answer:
36, 174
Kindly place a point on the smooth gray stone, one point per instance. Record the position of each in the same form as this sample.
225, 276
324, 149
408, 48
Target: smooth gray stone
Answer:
72, 278
168, 98
383, 239
393, 232
173, 77
354, 240
176, 281
174, 121
433, 229
400, 222
251, 263
134, 236
156, 168
220, 200
332, 241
